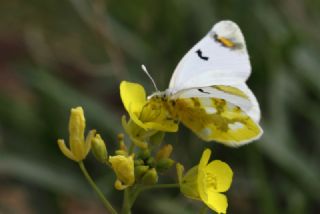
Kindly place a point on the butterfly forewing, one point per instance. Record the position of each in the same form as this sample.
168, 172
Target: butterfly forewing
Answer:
220, 58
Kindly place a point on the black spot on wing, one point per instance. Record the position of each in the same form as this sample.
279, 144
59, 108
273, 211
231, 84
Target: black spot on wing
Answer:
199, 53
202, 91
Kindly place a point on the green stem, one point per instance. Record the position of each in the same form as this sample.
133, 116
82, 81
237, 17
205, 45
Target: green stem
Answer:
126, 205
159, 186
137, 192
105, 202
131, 148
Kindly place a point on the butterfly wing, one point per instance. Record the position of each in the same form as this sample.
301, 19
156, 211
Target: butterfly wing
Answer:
238, 94
208, 91
220, 58
219, 113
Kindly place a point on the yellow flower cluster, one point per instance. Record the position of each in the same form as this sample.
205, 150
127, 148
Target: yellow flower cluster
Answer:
146, 127
203, 182
80, 146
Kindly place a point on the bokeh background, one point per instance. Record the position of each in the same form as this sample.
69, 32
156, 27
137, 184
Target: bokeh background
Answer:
58, 54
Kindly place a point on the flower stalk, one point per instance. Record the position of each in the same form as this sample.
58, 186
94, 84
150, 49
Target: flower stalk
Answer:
126, 205
105, 202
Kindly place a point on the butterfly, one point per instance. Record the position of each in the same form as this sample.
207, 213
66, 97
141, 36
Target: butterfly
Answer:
208, 92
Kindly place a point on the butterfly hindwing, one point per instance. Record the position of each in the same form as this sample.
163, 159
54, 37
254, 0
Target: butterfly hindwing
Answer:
214, 119
239, 95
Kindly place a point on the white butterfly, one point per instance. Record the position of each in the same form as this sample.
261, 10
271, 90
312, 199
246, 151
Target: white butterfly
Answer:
208, 93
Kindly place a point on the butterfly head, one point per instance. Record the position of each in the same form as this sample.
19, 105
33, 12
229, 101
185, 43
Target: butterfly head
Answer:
158, 95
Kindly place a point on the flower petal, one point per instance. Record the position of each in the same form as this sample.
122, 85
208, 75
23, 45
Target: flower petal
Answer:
147, 114
88, 140
65, 150
189, 185
217, 202
222, 174
202, 174
133, 96
77, 124
204, 158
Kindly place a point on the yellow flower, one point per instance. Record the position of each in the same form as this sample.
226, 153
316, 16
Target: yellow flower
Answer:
79, 146
147, 114
206, 182
123, 166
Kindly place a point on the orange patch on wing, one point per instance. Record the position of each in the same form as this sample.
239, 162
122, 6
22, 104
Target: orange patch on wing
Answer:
226, 42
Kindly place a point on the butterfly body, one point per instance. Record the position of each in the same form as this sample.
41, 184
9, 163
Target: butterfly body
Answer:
208, 93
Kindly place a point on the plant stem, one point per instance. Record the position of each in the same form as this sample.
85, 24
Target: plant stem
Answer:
131, 148
159, 186
105, 202
126, 205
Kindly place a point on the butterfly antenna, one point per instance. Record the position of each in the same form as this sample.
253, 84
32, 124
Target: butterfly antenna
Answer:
146, 71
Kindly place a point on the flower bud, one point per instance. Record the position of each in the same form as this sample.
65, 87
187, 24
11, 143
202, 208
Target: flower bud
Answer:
164, 164
120, 137
99, 149
138, 162
164, 152
144, 154
150, 161
121, 152
140, 171
150, 177
122, 145
123, 166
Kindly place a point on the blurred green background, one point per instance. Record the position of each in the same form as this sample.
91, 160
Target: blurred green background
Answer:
57, 54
